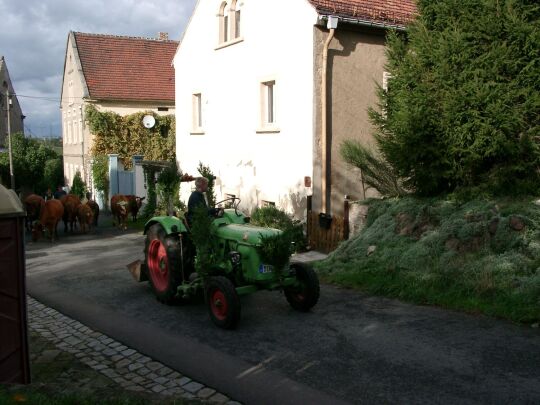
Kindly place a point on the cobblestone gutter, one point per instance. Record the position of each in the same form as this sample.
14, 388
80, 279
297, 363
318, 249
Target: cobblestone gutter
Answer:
125, 366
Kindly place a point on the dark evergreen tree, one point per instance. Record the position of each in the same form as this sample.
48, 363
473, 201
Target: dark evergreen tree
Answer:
462, 110
79, 186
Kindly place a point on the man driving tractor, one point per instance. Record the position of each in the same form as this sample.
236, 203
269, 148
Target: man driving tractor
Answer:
198, 199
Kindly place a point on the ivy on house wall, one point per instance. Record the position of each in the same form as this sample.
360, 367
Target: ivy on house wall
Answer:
126, 135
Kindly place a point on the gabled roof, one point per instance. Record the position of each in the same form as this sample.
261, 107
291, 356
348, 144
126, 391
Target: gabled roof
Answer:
127, 68
395, 12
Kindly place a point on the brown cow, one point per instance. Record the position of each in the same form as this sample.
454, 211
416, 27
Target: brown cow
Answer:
95, 210
119, 209
33, 205
51, 214
135, 204
71, 203
85, 217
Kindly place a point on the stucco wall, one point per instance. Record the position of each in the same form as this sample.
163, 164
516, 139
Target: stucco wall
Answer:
16, 121
277, 45
356, 62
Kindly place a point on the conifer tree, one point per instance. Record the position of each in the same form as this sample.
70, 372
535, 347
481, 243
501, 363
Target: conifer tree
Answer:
462, 110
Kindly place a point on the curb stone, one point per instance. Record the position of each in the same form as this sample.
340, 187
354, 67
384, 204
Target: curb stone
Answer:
109, 357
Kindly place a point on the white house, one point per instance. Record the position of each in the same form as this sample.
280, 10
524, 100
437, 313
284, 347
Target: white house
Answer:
253, 81
114, 73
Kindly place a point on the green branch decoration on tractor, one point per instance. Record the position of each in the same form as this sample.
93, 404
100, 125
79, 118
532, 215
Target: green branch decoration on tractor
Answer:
223, 257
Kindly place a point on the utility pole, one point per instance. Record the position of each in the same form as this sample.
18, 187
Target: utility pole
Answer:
8, 103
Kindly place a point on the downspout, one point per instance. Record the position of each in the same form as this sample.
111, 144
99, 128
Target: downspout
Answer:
332, 25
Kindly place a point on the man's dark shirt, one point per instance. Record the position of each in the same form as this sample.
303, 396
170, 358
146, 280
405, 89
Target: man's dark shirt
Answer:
58, 194
197, 200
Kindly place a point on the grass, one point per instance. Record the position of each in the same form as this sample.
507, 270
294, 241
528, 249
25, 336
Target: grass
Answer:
37, 398
466, 256
65, 380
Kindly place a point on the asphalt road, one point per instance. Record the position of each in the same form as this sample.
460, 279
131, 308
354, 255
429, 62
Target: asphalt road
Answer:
352, 347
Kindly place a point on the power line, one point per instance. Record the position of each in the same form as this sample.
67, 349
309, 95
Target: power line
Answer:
56, 100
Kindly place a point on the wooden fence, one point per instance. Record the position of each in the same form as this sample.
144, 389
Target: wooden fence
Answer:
324, 234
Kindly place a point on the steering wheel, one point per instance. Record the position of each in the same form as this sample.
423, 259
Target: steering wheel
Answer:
236, 202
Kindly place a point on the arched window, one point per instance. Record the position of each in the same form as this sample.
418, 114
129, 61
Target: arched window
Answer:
236, 14
223, 16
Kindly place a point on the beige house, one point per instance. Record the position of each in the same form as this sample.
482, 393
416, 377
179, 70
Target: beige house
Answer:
15, 113
267, 90
120, 74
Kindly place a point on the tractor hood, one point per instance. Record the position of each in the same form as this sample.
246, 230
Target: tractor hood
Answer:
249, 234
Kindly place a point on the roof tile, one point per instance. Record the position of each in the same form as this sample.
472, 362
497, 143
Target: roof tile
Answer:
127, 68
399, 12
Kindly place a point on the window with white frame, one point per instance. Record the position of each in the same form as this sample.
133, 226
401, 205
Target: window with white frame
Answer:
81, 135
70, 92
224, 17
75, 132
229, 16
387, 76
268, 104
197, 115
236, 14
68, 133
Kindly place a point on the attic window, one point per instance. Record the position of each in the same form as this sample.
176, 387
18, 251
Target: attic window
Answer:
235, 18
229, 16
223, 22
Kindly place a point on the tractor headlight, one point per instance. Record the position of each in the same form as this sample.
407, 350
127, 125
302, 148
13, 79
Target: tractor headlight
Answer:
235, 258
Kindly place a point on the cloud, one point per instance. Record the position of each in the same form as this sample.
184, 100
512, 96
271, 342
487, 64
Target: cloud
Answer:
34, 37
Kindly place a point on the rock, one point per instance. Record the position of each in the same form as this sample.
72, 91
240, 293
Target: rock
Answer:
404, 224
357, 218
537, 202
535, 325
371, 250
516, 223
493, 225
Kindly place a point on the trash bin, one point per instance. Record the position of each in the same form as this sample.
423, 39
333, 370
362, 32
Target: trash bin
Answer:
14, 361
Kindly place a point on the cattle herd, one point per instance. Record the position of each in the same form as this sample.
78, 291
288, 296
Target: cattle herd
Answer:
45, 215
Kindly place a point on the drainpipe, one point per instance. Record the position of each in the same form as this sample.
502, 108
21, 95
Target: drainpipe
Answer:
82, 146
332, 25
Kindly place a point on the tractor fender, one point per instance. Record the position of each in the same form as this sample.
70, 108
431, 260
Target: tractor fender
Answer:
171, 225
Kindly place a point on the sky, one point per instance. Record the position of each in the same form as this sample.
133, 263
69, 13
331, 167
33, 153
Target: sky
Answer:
33, 38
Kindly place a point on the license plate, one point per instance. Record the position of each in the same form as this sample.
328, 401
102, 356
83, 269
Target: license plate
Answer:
266, 268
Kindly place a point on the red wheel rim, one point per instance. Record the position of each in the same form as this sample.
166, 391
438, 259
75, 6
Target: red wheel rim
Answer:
299, 297
158, 264
218, 304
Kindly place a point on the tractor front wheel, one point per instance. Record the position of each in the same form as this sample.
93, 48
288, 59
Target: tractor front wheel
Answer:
305, 296
223, 302
163, 262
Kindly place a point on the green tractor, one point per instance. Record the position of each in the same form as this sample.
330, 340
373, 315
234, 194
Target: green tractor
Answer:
234, 266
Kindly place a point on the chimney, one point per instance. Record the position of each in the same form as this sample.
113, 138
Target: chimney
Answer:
163, 36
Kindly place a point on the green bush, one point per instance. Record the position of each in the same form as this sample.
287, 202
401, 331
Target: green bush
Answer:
462, 109
206, 172
53, 174
79, 186
100, 175
30, 159
271, 217
168, 188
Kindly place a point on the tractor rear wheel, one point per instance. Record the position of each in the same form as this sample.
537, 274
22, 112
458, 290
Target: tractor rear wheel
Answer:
163, 256
304, 297
223, 302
